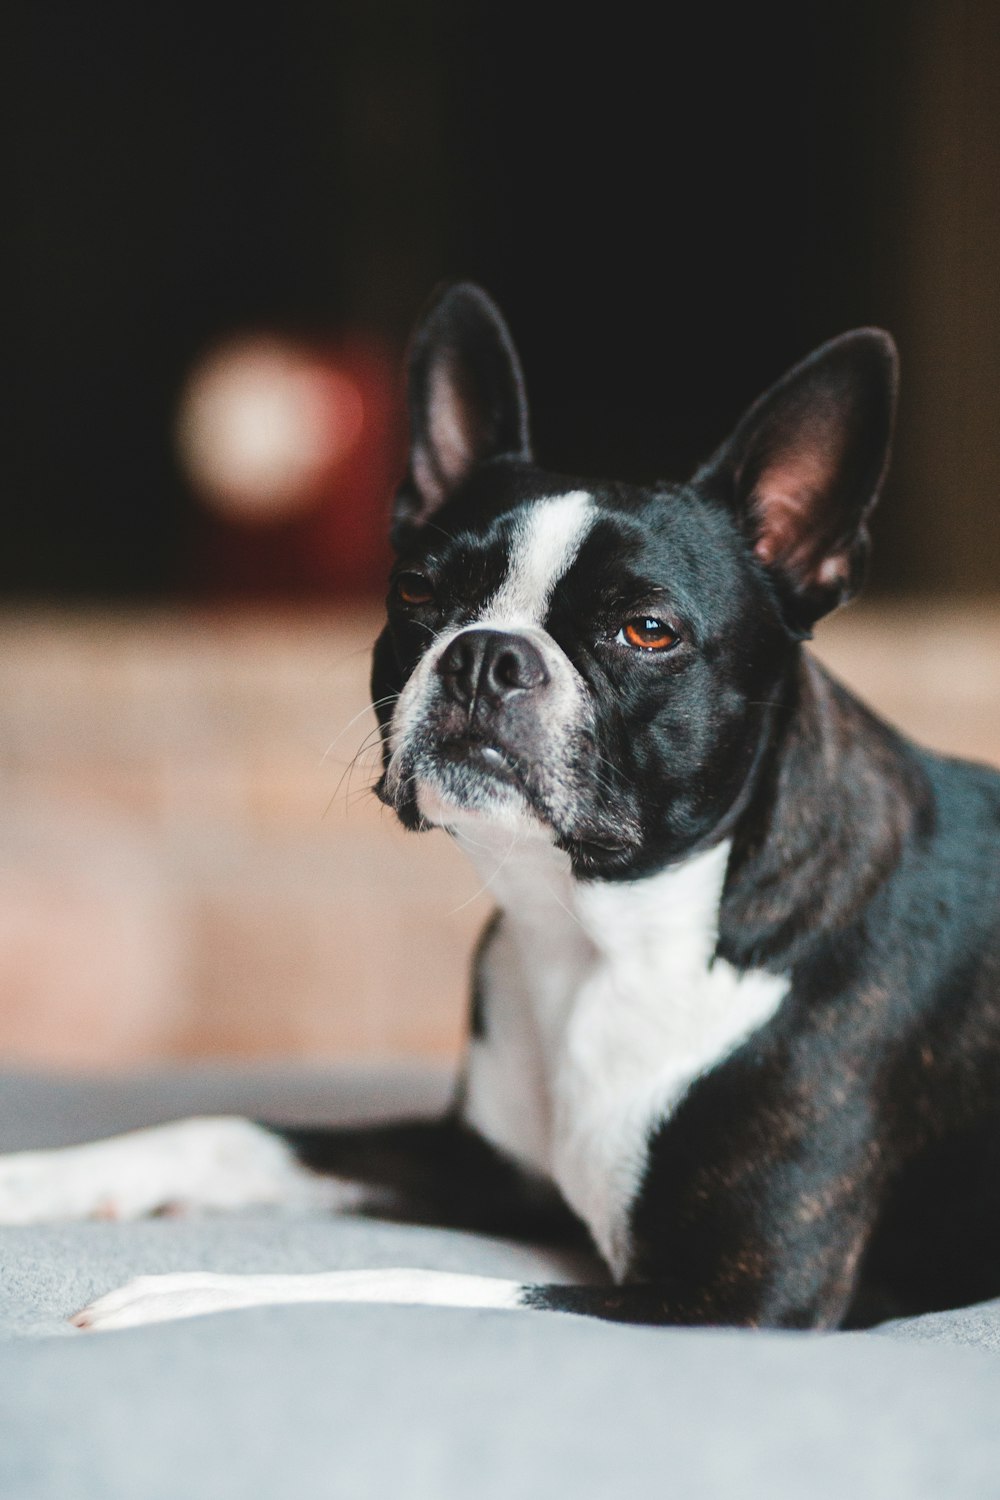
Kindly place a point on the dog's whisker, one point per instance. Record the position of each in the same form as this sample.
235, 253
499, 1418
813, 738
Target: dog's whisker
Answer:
368, 708
350, 723
365, 749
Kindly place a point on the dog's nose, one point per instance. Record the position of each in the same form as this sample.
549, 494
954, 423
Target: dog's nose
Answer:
491, 665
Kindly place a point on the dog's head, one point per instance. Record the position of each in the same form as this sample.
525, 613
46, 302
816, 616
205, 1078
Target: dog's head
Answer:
600, 660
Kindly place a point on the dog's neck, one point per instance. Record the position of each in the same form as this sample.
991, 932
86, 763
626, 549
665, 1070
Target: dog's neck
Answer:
838, 797
623, 922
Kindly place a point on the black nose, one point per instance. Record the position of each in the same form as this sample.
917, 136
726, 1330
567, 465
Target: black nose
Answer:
491, 665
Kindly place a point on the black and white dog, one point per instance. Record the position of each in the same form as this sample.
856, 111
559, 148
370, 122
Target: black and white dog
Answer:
738, 1015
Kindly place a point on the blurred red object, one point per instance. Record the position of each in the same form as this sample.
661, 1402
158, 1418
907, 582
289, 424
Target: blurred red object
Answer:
292, 451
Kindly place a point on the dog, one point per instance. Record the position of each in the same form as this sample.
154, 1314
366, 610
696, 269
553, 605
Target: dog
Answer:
737, 1019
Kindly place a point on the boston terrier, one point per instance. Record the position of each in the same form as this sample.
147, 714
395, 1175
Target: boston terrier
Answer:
737, 1018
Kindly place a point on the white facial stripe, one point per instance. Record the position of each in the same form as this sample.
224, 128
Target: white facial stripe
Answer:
545, 543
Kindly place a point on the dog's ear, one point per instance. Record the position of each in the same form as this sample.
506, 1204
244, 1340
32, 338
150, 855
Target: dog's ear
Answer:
466, 398
803, 470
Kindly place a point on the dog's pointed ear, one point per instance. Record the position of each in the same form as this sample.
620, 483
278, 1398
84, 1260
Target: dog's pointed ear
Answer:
466, 398
804, 466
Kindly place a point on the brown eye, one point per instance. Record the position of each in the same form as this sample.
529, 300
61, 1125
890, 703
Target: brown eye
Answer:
648, 634
413, 589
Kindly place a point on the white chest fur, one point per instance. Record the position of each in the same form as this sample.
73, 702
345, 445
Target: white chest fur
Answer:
602, 1004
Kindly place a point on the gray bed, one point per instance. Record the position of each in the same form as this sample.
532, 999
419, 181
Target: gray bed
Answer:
438, 1403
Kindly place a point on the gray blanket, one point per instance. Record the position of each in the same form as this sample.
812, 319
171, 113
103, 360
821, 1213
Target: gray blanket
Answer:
439, 1403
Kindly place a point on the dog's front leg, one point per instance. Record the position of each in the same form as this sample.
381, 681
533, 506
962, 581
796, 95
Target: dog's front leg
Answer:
169, 1298
427, 1171
788, 1259
438, 1172
763, 1277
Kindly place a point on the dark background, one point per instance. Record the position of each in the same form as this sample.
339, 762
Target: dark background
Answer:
672, 203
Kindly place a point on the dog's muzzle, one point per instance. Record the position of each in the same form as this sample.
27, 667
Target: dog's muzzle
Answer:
489, 707
498, 724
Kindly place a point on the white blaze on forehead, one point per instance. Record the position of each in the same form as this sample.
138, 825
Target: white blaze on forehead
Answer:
544, 544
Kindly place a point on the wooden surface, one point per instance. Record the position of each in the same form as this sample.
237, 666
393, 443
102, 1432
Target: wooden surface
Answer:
190, 862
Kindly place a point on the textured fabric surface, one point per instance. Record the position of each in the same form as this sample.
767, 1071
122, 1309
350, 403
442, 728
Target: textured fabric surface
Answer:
426, 1402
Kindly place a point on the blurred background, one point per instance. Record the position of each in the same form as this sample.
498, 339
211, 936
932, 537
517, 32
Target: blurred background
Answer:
218, 226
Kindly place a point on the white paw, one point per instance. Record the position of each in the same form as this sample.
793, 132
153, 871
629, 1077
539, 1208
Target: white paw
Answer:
190, 1294
37, 1187
198, 1163
162, 1299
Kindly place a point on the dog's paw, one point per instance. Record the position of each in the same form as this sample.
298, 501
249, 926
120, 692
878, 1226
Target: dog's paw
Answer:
190, 1294
163, 1299
35, 1189
126, 1177
214, 1163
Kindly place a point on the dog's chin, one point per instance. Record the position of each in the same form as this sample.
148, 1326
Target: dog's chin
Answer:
486, 794
455, 795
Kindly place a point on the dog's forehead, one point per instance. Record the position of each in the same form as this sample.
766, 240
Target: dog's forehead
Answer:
508, 552
518, 542
541, 543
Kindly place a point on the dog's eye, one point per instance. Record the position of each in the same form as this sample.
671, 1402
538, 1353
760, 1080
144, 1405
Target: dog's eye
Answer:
413, 589
648, 634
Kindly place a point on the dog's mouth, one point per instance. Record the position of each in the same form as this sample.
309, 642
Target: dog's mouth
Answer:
464, 769
486, 757
476, 773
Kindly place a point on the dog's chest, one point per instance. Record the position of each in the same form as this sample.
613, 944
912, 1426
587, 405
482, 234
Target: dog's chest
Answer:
600, 1005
